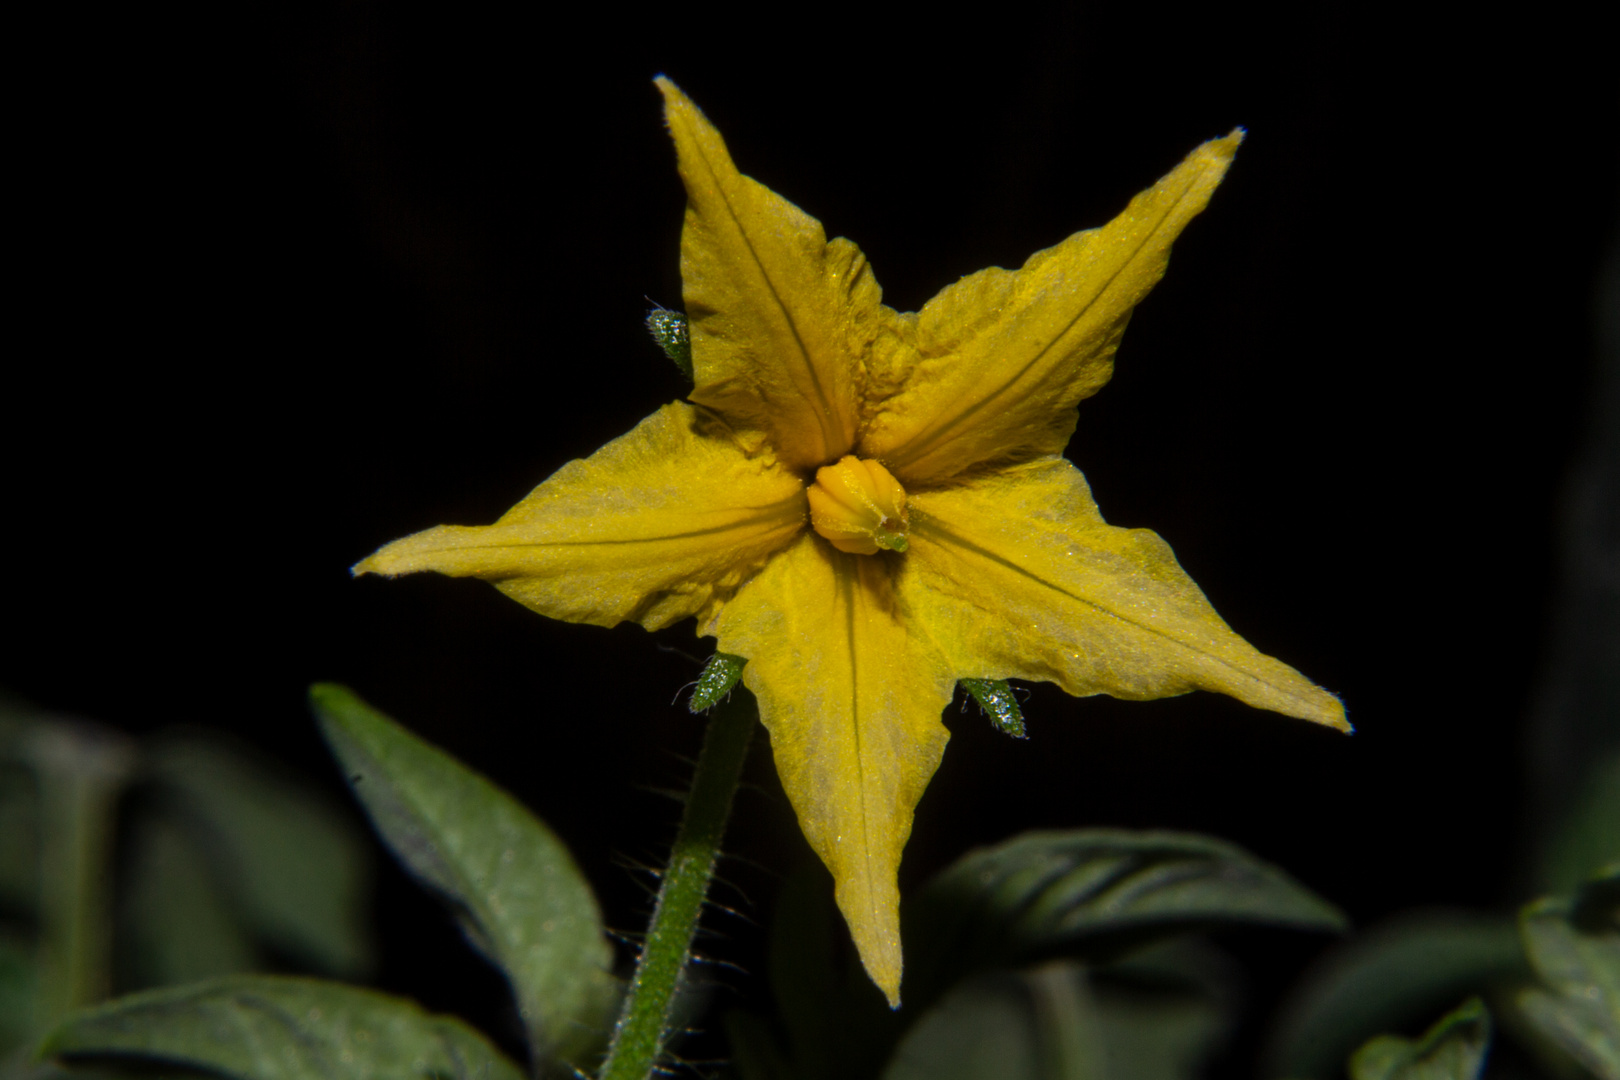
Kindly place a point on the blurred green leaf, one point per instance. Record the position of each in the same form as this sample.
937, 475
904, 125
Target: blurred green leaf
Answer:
1596, 905
178, 923
56, 1071
755, 1052
23, 1068
266, 1027
1386, 978
521, 898
15, 717
295, 867
1091, 893
1578, 1006
1165, 1009
1590, 834
17, 985
1054, 1022
837, 1023
19, 838
987, 1028
1453, 1049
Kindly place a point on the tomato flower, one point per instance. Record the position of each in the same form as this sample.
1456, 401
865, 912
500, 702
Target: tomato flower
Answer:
869, 506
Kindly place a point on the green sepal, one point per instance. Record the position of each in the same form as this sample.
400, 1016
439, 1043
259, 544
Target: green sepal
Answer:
720, 674
1453, 1049
668, 328
273, 1027
999, 703
520, 897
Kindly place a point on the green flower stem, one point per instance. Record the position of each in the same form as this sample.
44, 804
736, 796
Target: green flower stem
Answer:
643, 1026
81, 770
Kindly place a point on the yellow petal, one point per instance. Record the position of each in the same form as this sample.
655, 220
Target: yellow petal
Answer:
1016, 574
659, 524
1001, 358
852, 702
779, 317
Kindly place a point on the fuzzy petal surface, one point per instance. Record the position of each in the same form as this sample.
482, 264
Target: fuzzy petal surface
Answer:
779, 317
852, 699
660, 524
1017, 575
998, 361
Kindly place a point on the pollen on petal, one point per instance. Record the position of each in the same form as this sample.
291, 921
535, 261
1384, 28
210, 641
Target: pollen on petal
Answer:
859, 507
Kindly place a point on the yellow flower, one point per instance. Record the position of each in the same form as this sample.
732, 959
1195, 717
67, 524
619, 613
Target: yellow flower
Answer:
870, 505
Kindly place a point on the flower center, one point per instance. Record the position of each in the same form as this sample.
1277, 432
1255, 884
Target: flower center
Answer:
859, 507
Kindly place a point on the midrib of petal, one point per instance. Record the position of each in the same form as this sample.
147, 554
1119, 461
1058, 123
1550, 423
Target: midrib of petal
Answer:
829, 438
852, 586
788, 511
927, 441
931, 529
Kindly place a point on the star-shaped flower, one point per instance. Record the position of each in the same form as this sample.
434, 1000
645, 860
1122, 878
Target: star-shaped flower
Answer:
869, 506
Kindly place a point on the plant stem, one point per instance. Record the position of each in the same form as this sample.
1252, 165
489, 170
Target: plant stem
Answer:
643, 1025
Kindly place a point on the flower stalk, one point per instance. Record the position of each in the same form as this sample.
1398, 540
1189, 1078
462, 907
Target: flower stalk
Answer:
643, 1027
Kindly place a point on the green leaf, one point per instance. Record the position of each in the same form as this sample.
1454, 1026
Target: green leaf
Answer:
987, 1027
1589, 836
1054, 1022
268, 1027
754, 1050
19, 838
1578, 1006
836, 1021
295, 867
179, 924
51, 1070
520, 897
1454, 1049
1164, 1010
1091, 893
17, 985
1388, 978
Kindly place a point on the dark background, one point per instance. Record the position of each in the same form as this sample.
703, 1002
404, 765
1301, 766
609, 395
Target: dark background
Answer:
307, 278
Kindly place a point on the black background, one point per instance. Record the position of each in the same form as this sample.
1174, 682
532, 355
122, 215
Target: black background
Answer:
303, 279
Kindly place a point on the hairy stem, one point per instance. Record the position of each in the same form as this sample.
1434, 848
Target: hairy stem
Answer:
643, 1026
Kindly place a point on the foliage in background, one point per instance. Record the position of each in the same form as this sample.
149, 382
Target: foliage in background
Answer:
126, 865
1074, 955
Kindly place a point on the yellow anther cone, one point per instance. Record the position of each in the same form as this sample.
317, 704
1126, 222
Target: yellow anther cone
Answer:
859, 507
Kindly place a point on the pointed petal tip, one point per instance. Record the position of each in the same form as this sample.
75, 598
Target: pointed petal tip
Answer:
1327, 710
402, 556
880, 956
1223, 149
888, 981
674, 96
369, 565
